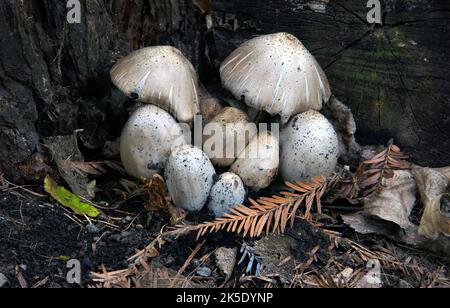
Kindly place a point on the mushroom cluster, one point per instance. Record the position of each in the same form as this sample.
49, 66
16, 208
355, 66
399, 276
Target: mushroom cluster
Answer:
271, 73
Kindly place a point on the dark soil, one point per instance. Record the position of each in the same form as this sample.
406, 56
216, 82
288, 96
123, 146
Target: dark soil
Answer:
37, 237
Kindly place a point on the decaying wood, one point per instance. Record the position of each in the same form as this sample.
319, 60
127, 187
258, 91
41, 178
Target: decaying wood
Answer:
394, 76
54, 76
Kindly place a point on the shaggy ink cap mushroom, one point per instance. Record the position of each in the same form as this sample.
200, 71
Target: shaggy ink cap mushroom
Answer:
277, 74
189, 176
309, 147
234, 126
160, 76
147, 140
227, 192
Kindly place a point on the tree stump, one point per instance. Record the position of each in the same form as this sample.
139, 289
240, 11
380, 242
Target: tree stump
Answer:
394, 76
54, 76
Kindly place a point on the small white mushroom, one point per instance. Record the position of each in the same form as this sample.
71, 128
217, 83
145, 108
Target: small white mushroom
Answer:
227, 135
258, 164
228, 191
309, 147
161, 76
190, 176
276, 73
147, 141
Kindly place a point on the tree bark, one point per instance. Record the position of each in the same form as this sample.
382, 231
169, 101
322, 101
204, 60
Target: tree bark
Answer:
54, 76
394, 76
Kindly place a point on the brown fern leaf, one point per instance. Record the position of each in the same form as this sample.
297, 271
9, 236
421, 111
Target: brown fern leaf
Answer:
159, 199
269, 214
382, 166
368, 179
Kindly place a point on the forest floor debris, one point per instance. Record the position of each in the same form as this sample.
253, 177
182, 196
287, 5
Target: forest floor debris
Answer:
40, 236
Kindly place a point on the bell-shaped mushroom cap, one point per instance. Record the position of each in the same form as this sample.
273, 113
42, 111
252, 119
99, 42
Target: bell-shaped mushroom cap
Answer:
276, 73
161, 76
147, 141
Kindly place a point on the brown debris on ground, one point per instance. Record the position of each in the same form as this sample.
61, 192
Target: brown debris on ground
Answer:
132, 244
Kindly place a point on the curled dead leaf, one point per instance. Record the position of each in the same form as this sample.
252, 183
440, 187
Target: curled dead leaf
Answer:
434, 221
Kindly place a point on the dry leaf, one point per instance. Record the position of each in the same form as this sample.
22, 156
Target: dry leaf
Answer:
433, 220
395, 202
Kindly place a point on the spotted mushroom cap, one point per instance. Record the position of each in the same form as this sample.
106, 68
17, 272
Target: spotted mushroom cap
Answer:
189, 176
147, 139
227, 192
160, 76
276, 73
309, 147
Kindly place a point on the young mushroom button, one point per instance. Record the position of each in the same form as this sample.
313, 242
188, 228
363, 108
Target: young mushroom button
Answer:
258, 164
189, 176
227, 135
276, 73
161, 76
147, 141
309, 147
227, 192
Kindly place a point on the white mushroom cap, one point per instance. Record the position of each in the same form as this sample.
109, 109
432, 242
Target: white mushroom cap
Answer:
190, 176
147, 141
276, 73
309, 147
258, 164
161, 76
227, 192
233, 125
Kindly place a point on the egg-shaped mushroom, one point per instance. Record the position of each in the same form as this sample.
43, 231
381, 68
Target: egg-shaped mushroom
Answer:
147, 140
189, 176
276, 73
161, 76
227, 192
258, 164
309, 147
227, 135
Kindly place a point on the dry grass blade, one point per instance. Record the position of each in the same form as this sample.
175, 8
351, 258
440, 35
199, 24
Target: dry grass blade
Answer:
269, 214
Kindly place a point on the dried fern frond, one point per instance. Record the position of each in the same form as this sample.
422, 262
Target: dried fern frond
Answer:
368, 180
159, 199
269, 214
380, 167
90, 168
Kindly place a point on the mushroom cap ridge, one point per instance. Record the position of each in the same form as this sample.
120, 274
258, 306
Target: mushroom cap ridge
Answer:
162, 76
276, 73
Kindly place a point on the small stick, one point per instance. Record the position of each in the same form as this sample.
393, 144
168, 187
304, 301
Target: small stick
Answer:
191, 257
